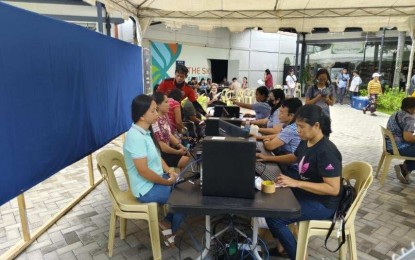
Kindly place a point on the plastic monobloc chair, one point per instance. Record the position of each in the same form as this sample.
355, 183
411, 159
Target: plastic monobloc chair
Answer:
386, 157
124, 204
361, 173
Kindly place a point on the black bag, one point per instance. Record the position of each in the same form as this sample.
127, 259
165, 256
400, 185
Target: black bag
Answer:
347, 198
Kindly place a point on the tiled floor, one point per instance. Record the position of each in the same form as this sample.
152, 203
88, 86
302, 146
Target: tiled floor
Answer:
385, 222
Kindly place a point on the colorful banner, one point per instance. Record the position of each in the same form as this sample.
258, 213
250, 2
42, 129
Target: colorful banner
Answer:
163, 56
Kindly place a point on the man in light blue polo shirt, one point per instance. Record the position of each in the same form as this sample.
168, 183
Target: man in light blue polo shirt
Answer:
342, 84
150, 177
287, 141
261, 107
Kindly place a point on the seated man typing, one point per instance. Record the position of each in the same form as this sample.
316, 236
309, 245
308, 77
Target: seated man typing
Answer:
190, 114
287, 140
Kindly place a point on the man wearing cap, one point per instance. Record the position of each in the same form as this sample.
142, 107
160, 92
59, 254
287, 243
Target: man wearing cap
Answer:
374, 88
342, 83
180, 75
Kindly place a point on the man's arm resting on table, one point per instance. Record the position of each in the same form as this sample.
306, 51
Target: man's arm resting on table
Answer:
270, 137
259, 122
271, 131
285, 159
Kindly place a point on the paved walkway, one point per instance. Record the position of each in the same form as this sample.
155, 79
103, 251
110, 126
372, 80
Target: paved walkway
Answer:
385, 222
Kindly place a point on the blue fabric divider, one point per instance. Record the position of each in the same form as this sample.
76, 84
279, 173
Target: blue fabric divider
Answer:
65, 91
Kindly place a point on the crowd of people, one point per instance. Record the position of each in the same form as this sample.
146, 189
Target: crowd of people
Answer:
297, 134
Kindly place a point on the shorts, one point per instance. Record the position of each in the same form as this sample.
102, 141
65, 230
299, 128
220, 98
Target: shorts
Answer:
172, 160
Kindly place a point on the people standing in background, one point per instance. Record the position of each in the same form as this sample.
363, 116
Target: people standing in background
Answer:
321, 94
180, 75
291, 81
244, 84
342, 83
402, 81
374, 88
269, 83
354, 85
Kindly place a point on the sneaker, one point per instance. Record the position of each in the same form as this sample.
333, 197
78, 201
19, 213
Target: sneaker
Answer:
400, 175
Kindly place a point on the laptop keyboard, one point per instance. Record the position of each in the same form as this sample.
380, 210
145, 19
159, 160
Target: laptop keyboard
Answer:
267, 171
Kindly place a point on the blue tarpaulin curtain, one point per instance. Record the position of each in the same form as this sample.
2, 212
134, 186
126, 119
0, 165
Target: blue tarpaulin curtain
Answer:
65, 92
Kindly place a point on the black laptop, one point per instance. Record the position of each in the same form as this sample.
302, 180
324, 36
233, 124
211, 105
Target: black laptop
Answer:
226, 111
228, 167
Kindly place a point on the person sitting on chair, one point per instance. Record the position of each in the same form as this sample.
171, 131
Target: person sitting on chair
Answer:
285, 142
317, 183
175, 112
261, 107
271, 125
190, 114
172, 151
401, 124
149, 176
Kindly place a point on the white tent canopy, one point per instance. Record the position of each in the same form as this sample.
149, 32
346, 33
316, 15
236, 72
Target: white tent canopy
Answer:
271, 15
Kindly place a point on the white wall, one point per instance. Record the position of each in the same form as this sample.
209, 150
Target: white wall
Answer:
255, 50
217, 38
258, 51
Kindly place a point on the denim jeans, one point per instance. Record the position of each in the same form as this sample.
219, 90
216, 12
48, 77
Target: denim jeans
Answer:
340, 94
160, 194
409, 151
310, 210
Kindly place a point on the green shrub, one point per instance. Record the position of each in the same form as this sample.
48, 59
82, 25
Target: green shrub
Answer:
363, 92
391, 99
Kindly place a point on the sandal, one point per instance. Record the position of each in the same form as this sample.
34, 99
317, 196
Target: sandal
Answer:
401, 174
169, 242
168, 238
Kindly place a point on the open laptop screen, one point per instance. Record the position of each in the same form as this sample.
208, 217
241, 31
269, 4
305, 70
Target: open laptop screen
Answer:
226, 111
